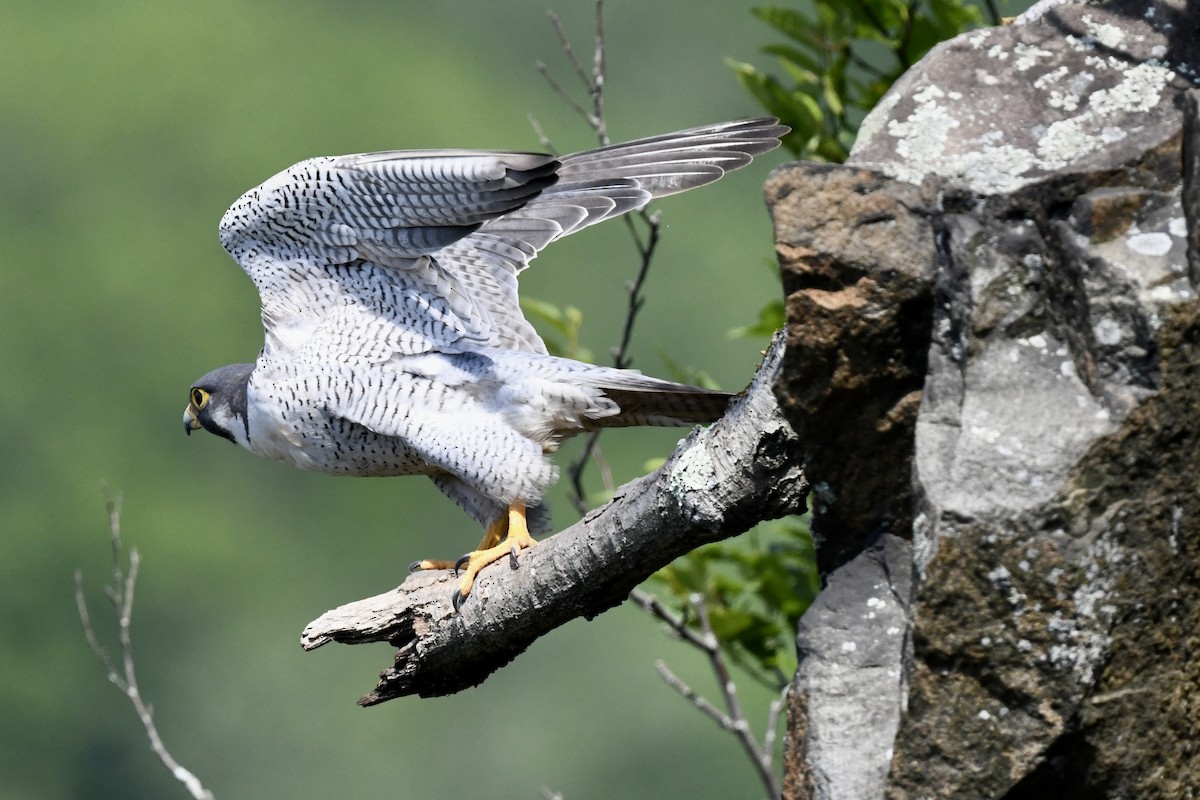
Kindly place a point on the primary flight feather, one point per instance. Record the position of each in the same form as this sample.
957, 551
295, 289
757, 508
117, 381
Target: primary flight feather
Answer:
395, 343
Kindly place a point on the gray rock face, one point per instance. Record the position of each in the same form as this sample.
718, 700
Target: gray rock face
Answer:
1017, 238
1078, 89
852, 643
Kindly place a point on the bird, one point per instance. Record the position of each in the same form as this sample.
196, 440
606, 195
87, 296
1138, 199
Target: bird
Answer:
394, 342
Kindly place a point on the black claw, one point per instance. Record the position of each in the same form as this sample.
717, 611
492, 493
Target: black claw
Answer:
512, 557
414, 567
457, 600
459, 564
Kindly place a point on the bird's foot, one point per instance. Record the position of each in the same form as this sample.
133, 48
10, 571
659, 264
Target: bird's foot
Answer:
491, 537
517, 539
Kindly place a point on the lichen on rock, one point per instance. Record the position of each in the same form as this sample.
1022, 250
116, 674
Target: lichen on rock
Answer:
1013, 397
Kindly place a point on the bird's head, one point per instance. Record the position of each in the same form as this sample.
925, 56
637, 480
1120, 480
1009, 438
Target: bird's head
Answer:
217, 403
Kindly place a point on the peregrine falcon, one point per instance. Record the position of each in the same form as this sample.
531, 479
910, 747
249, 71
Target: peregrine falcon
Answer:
395, 343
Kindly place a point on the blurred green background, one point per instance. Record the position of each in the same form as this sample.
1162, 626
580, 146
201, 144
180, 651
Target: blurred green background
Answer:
126, 129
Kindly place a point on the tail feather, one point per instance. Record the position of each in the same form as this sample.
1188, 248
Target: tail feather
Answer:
667, 404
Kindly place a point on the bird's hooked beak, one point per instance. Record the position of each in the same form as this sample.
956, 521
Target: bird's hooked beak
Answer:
190, 423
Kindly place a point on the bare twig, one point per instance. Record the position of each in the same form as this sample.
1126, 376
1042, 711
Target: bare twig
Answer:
540, 133
646, 245
694, 697
774, 714
636, 299
678, 623
620, 353
563, 93
593, 83
598, 74
120, 594
732, 719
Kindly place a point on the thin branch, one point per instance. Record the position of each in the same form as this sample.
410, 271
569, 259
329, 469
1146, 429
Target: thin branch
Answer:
564, 94
575, 493
621, 359
598, 76
774, 714
636, 298
694, 697
593, 84
733, 719
120, 594
760, 757
678, 623
569, 51
540, 133
646, 247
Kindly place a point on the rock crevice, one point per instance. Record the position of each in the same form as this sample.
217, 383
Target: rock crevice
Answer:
994, 344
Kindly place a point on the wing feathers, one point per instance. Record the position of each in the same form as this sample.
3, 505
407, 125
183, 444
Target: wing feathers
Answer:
415, 219
634, 173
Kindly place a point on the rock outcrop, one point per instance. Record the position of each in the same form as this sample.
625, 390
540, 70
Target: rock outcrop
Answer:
994, 364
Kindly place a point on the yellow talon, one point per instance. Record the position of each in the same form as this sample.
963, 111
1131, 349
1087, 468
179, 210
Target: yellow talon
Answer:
492, 548
505, 537
491, 537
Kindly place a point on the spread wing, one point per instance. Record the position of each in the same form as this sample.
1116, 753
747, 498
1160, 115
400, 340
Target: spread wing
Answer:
424, 247
594, 186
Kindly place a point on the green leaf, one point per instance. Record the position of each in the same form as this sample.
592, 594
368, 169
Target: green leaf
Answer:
807, 106
796, 60
566, 321
787, 21
832, 97
840, 60
755, 589
771, 318
689, 375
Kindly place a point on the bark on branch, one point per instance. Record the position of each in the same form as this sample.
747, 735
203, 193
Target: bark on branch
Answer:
719, 482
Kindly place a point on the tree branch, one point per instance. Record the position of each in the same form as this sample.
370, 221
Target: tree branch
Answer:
719, 482
620, 353
594, 84
733, 719
124, 677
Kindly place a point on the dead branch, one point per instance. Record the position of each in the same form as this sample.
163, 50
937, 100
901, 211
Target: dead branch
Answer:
593, 83
719, 482
124, 676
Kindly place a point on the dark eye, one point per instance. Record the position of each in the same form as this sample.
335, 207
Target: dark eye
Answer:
199, 398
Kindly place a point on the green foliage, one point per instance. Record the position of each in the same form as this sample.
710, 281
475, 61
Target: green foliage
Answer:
771, 318
687, 374
755, 588
839, 61
566, 321
128, 130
